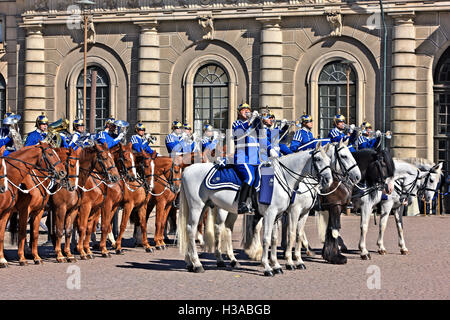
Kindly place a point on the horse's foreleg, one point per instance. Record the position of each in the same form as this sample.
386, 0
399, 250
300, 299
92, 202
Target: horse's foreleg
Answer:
23, 219
107, 212
60, 213
161, 212
83, 220
292, 219
142, 212
300, 239
4, 216
401, 239
34, 243
228, 238
127, 208
70, 218
385, 209
191, 230
274, 249
331, 252
90, 229
269, 220
366, 210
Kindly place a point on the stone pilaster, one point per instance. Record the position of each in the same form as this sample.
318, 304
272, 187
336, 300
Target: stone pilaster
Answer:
403, 110
35, 97
271, 64
148, 105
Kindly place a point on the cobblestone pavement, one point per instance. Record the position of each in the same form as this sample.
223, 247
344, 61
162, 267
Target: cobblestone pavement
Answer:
423, 274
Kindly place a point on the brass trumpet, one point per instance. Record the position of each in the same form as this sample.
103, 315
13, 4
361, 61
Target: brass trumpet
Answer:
387, 134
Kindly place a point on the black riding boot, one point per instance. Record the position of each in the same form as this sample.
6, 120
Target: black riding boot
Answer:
242, 199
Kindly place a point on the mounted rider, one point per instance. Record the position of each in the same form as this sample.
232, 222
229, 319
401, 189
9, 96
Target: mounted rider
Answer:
108, 135
303, 137
246, 155
79, 136
189, 138
268, 138
282, 128
41, 132
337, 133
140, 140
7, 132
210, 138
364, 140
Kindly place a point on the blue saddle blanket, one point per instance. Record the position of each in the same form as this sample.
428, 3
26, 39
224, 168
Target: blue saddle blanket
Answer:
225, 178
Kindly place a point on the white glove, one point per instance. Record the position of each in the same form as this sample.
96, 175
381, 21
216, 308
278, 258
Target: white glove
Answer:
378, 133
120, 136
194, 136
273, 153
215, 135
147, 136
283, 123
351, 128
184, 136
255, 114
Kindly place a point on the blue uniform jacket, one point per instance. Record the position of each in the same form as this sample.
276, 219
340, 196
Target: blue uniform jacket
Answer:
246, 142
105, 136
34, 137
209, 143
366, 143
140, 144
75, 142
302, 137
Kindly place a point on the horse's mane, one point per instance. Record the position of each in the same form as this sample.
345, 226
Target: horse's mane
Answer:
421, 163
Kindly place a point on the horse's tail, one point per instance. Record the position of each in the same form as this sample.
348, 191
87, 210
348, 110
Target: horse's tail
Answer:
209, 230
251, 237
13, 224
182, 221
322, 223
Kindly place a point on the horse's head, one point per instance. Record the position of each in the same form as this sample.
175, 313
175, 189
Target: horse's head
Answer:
321, 163
3, 176
171, 170
382, 169
71, 159
343, 162
51, 161
104, 163
145, 165
429, 185
126, 161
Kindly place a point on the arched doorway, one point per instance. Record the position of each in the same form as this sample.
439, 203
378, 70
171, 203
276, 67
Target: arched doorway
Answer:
333, 95
442, 111
102, 107
211, 98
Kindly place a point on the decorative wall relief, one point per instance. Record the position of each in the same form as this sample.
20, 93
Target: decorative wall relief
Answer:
206, 22
334, 18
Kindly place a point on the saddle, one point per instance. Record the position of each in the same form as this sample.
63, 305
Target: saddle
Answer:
223, 177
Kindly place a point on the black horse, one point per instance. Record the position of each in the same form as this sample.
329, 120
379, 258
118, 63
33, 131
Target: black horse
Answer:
375, 166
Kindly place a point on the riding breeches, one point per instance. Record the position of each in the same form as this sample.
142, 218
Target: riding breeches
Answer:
246, 172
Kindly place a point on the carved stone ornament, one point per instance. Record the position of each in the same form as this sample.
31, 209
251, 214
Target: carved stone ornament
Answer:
41, 5
334, 18
206, 22
91, 34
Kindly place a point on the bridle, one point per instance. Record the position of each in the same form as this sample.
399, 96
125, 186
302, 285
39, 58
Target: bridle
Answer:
344, 175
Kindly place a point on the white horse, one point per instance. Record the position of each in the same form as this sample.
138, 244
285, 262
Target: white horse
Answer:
343, 163
289, 170
412, 176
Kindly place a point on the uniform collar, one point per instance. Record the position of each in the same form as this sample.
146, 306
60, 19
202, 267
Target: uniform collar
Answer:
40, 131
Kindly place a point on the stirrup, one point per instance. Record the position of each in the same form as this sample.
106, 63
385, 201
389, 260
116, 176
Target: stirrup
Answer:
243, 208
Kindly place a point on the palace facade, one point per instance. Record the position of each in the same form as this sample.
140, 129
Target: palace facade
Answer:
165, 60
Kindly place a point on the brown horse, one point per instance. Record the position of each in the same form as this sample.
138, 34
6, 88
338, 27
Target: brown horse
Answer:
32, 167
135, 194
65, 203
98, 177
165, 181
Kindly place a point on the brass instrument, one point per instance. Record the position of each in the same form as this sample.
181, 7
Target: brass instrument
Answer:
290, 123
151, 139
54, 131
14, 131
123, 128
387, 134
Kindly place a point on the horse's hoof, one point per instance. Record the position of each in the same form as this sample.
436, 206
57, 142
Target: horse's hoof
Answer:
4, 265
106, 255
199, 269
38, 262
234, 264
221, 264
382, 252
340, 259
149, 250
71, 259
404, 252
268, 274
278, 271
290, 267
119, 252
61, 260
366, 256
23, 263
344, 249
159, 248
90, 256
83, 258
301, 266
190, 268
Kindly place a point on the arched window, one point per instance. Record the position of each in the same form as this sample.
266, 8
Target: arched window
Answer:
102, 97
2, 96
333, 95
442, 111
210, 98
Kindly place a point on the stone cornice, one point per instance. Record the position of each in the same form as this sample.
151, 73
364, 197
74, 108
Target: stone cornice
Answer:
223, 10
